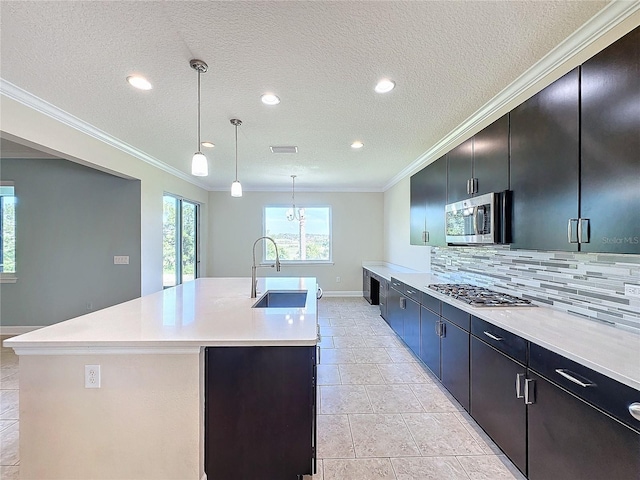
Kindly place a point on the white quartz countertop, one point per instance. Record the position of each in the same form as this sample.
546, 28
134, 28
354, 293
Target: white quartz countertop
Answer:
609, 350
386, 270
204, 312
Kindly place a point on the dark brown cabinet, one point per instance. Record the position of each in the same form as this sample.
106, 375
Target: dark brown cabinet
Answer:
459, 171
571, 440
454, 353
545, 167
430, 339
428, 196
260, 412
411, 324
496, 404
481, 164
610, 147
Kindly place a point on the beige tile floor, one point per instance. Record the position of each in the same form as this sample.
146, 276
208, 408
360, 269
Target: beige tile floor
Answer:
9, 425
381, 414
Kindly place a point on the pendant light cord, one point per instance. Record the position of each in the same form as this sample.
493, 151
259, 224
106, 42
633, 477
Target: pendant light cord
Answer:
236, 152
198, 149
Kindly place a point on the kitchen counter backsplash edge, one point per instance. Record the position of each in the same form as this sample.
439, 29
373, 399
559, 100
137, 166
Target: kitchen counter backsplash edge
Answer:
590, 285
611, 351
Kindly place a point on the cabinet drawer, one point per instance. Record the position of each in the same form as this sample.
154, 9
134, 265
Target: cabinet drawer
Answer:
432, 303
508, 343
397, 285
457, 316
412, 293
605, 393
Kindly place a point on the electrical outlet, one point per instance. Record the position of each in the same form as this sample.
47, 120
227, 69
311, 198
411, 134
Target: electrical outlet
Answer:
632, 290
89, 306
121, 260
448, 261
92, 376
338, 279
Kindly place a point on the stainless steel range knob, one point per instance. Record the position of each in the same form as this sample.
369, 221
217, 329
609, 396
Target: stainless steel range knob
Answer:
634, 410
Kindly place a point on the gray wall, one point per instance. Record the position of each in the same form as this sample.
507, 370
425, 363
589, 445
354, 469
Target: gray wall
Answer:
70, 222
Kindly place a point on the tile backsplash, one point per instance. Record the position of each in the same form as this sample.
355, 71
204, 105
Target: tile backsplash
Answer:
586, 284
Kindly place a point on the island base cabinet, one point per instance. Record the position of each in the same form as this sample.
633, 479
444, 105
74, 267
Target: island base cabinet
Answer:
430, 340
259, 412
494, 402
571, 440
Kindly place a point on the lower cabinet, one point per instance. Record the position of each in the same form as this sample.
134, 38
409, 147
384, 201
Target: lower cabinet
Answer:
430, 340
384, 294
495, 404
366, 285
411, 325
572, 440
394, 311
260, 412
454, 361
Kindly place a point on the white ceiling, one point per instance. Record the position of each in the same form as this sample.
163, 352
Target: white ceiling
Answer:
448, 58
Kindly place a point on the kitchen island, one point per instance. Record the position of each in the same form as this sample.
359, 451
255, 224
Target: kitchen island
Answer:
147, 418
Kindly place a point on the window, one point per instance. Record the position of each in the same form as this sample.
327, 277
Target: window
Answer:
7, 231
180, 240
307, 240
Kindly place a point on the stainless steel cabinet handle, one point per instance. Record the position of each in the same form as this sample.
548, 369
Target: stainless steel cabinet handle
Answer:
410, 292
519, 385
319, 350
570, 230
583, 237
529, 391
474, 188
468, 188
493, 337
568, 375
443, 329
634, 410
403, 303
319, 293
437, 327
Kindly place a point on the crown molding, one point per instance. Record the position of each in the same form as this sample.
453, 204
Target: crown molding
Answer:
16, 93
608, 18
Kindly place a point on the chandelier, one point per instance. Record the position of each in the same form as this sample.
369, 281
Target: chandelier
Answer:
293, 213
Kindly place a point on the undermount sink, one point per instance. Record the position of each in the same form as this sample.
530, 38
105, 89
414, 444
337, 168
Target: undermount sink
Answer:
282, 299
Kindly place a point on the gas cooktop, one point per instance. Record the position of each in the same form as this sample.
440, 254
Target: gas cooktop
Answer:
479, 296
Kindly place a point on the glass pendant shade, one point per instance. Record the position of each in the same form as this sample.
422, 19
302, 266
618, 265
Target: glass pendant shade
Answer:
236, 189
199, 165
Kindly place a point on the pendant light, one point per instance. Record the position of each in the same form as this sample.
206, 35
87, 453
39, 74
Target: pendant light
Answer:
236, 187
292, 213
199, 164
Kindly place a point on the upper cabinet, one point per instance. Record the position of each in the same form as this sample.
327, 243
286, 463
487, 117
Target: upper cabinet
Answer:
428, 198
544, 167
481, 164
459, 171
610, 147
491, 158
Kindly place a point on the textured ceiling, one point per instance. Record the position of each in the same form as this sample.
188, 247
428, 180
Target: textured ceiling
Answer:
448, 58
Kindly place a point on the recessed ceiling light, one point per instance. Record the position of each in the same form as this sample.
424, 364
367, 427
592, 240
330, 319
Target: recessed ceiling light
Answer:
139, 82
357, 144
385, 85
207, 144
270, 99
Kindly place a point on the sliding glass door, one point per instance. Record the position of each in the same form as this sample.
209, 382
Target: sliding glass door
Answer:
180, 240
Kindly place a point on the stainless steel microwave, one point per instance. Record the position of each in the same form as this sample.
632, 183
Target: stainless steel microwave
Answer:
476, 220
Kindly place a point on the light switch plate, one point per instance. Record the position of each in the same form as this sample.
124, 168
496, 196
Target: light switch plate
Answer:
121, 260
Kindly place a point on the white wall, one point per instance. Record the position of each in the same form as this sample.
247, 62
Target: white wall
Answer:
27, 126
235, 224
397, 249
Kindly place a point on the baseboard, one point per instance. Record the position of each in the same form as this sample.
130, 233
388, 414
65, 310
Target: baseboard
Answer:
16, 330
343, 293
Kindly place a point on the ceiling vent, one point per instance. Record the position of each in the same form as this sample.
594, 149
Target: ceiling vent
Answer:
284, 149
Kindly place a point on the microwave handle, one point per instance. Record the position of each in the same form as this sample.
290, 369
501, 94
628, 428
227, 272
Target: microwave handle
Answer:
477, 225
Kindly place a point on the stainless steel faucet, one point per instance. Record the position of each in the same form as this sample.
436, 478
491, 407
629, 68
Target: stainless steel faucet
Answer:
254, 281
